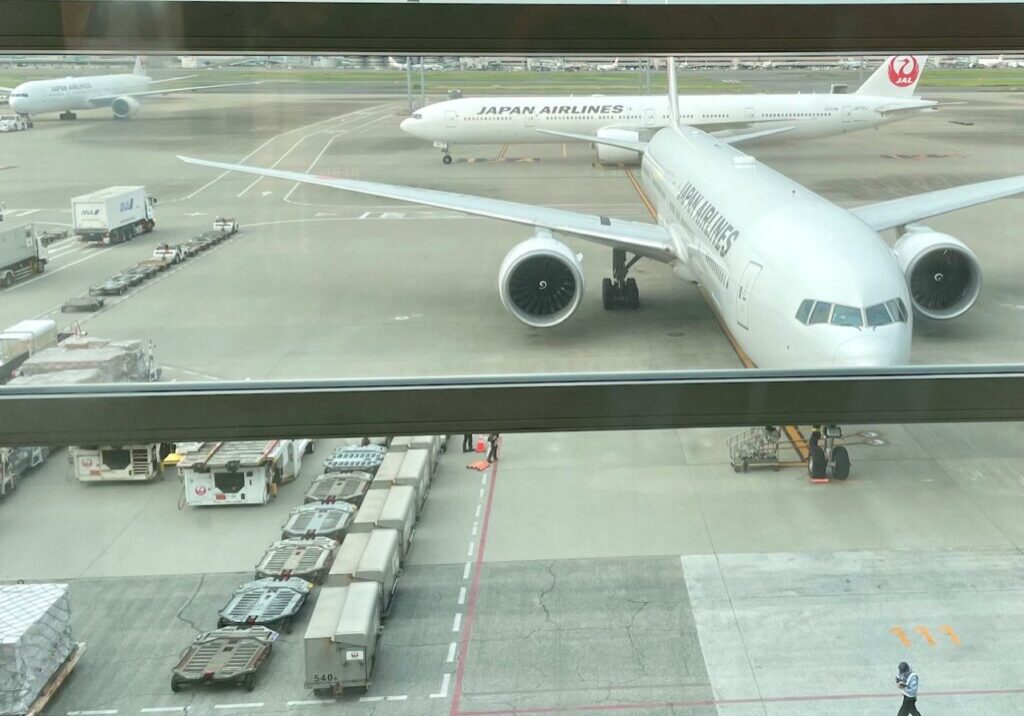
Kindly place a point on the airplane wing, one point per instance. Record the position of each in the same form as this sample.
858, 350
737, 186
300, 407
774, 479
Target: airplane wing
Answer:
898, 212
647, 240
172, 79
111, 98
642, 146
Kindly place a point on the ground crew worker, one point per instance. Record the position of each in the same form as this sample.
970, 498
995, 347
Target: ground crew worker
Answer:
467, 442
906, 682
492, 450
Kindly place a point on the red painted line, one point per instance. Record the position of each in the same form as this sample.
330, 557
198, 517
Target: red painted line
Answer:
474, 588
648, 705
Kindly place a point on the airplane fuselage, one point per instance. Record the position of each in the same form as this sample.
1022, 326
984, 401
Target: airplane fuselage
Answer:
482, 120
762, 245
73, 93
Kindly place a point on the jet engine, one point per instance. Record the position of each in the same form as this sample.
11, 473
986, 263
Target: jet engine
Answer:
943, 274
540, 281
614, 155
124, 107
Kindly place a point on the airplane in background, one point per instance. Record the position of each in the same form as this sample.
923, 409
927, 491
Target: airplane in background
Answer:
886, 96
800, 282
608, 67
409, 65
119, 92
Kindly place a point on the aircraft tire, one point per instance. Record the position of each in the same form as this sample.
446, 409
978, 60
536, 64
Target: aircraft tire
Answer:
816, 465
632, 294
447, 159
607, 294
840, 463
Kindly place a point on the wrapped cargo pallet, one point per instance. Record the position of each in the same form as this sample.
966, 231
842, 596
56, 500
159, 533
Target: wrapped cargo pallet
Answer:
35, 640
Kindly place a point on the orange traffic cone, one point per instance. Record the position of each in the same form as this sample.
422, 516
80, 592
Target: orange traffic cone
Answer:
481, 445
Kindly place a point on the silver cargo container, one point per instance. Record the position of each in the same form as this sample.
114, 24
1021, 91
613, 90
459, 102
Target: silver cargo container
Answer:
415, 472
341, 639
335, 487
35, 641
373, 557
388, 470
369, 511
309, 559
399, 513
319, 520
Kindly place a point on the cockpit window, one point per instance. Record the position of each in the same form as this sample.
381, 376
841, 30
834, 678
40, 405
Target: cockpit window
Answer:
897, 309
820, 312
417, 115
847, 316
804, 312
878, 315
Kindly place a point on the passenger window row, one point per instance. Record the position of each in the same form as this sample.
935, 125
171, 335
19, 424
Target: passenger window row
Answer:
881, 314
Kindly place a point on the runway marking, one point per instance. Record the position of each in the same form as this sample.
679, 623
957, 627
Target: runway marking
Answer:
951, 634
451, 653
457, 622
483, 479
400, 697
27, 212
280, 159
443, 693
469, 551
370, 699
503, 152
927, 635
478, 508
163, 709
465, 571
475, 526
312, 702
250, 705
462, 600
901, 635
101, 712
482, 493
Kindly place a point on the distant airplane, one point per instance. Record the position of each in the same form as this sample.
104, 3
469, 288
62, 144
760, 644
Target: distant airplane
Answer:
609, 67
886, 96
119, 92
407, 65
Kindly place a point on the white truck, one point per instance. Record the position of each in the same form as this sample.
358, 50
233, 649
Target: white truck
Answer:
239, 473
22, 254
19, 342
13, 123
113, 215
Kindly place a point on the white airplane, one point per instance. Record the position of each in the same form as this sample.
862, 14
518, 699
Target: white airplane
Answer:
608, 67
119, 92
886, 96
408, 65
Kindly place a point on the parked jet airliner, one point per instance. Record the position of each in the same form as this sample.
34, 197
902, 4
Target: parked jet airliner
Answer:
886, 96
797, 279
119, 92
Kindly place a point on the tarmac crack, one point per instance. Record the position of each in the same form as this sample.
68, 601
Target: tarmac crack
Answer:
637, 653
195, 593
547, 592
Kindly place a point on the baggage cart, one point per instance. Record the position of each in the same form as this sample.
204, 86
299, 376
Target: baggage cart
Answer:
308, 559
319, 520
334, 487
273, 603
341, 639
226, 655
361, 458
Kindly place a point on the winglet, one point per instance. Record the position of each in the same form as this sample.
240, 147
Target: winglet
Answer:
673, 93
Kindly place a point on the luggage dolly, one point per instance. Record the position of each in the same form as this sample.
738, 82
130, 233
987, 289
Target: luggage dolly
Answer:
350, 487
225, 655
266, 602
830, 461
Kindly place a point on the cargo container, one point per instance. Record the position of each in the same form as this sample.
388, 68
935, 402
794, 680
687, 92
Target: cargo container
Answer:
341, 639
309, 559
399, 513
334, 487
415, 472
319, 520
388, 470
369, 557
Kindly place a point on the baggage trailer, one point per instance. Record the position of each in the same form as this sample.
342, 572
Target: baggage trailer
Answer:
272, 603
399, 513
334, 487
369, 512
225, 655
319, 520
308, 559
237, 473
369, 557
341, 639
415, 472
16, 462
119, 463
22, 254
361, 458
23, 340
113, 215
388, 470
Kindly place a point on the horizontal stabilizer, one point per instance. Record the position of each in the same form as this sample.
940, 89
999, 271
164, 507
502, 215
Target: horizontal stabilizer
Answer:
620, 143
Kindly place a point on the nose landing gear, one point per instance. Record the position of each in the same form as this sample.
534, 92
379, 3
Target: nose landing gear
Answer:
445, 156
620, 291
829, 460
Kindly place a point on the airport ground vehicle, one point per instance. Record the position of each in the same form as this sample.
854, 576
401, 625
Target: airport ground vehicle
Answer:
225, 655
82, 304
22, 340
116, 285
342, 637
168, 254
239, 473
113, 215
22, 254
227, 225
266, 602
13, 123
15, 462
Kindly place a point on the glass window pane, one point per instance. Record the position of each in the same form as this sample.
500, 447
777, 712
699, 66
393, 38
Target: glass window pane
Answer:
804, 311
847, 316
878, 315
820, 312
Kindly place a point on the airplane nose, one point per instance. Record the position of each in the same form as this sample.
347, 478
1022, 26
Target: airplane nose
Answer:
873, 351
407, 125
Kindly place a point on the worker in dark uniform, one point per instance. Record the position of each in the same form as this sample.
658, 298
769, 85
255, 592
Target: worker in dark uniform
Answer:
467, 442
492, 447
906, 682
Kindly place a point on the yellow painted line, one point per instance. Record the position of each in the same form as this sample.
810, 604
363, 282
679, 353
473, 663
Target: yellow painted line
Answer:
796, 438
951, 634
503, 152
923, 631
901, 635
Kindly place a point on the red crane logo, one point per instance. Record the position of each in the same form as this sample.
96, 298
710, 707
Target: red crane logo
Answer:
903, 70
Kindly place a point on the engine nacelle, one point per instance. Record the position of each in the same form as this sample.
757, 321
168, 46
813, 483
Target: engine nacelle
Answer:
124, 107
540, 281
943, 275
614, 155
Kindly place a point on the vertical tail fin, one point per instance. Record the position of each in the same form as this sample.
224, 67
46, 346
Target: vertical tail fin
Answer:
140, 66
897, 77
673, 93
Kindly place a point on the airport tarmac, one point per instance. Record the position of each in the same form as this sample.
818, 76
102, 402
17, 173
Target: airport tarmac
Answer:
587, 573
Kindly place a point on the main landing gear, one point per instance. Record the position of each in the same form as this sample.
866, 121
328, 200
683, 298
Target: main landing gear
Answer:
827, 460
620, 291
68, 115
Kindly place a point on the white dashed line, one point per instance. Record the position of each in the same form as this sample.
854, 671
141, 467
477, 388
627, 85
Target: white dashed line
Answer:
462, 595
400, 697
481, 493
465, 571
476, 526
312, 702
457, 623
478, 508
469, 551
252, 705
370, 699
451, 653
103, 712
483, 479
164, 709
443, 693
